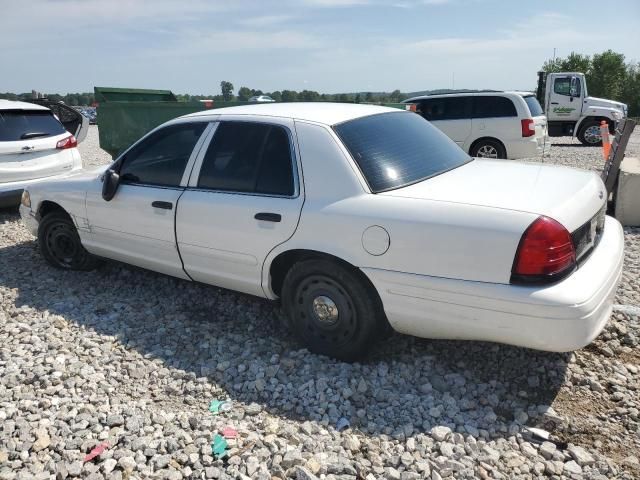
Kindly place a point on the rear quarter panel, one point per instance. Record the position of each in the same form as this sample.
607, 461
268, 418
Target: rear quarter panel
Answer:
427, 237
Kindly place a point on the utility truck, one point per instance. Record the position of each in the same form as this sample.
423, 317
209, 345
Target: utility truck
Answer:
571, 111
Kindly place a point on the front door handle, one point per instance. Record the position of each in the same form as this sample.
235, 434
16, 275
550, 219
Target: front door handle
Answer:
268, 217
163, 205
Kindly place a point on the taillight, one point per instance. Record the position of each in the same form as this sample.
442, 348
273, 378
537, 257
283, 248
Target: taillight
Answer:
528, 128
546, 253
68, 142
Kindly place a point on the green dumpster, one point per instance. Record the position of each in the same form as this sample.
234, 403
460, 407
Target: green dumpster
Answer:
126, 114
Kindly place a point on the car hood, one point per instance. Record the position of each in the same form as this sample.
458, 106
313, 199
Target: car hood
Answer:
567, 195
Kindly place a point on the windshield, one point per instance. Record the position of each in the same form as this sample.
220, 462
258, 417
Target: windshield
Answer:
16, 125
534, 105
397, 149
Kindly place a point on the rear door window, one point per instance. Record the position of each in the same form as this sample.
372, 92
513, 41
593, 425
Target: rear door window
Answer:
447, 108
534, 105
16, 125
492, 107
249, 157
160, 159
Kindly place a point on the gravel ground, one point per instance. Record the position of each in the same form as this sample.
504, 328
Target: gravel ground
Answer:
133, 358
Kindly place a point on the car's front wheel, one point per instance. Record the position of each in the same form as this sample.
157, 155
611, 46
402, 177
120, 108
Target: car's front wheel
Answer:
60, 244
589, 134
331, 309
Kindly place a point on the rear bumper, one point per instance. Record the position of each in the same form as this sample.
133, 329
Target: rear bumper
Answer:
528, 148
13, 190
561, 317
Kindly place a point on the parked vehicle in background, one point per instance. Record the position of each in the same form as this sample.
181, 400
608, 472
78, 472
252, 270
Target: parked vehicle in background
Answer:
391, 225
34, 145
491, 124
571, 111
261, 99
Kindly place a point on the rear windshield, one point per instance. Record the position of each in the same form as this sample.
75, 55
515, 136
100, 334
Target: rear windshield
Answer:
397, 149
534, 105
28, 124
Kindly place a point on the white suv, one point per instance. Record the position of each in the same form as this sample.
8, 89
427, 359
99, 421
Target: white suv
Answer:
34, 145
489, 123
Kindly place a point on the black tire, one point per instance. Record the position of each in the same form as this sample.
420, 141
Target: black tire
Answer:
487, 145
585, 133
60, 244
345, 333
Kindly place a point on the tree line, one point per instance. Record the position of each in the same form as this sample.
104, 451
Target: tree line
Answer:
245, 93
608, 76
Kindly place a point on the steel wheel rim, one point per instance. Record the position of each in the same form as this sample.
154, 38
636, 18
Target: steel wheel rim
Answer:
325, 311
592, 134
488, 151
62, 244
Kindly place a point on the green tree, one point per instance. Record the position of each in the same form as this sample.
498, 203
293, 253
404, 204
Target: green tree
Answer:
289, 96
277, 96
244, 93
631, 89
227, 90
308, 96
607, 76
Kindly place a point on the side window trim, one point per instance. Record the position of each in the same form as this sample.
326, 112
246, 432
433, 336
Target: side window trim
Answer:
188, 167
195, 174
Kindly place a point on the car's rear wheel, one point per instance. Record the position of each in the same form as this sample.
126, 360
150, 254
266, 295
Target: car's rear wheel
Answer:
487, 148
589, 134
60, 244
331, 309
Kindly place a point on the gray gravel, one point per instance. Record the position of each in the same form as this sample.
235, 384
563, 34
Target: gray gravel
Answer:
134, 358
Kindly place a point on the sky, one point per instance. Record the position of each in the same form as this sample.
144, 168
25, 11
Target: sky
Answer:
331, 46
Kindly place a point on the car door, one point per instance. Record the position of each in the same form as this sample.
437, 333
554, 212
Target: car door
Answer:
562, 105
243, 199
138, 225
451, 115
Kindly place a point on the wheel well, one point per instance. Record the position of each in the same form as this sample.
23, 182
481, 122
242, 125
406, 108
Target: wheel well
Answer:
475, 142
48, 207
284, 261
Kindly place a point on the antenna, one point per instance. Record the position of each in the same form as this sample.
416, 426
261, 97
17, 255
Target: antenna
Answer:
453, 81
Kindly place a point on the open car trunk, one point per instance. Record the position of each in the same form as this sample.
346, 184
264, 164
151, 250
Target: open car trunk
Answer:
72, 120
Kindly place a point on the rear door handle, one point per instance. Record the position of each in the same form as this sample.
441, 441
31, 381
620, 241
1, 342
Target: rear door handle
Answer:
554, 103
163, 205
268, 217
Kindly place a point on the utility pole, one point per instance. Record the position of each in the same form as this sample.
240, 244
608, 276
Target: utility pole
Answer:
554, 55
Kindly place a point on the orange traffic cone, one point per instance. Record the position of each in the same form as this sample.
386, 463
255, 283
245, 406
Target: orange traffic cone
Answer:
606, 143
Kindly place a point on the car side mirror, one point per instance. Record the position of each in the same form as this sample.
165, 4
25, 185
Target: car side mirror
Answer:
110, 182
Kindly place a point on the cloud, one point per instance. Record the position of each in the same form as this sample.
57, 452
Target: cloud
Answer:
265, 20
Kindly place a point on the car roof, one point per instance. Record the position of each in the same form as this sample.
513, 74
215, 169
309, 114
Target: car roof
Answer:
319, 112
15, 105
469, 93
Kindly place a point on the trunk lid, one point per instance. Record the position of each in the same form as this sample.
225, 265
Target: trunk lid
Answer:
570, 196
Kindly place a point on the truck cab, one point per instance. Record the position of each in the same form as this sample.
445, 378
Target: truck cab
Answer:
571, 111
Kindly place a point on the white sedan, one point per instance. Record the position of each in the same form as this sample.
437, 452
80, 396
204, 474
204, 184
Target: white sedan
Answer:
357, 218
